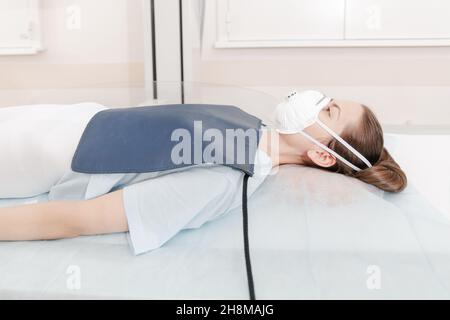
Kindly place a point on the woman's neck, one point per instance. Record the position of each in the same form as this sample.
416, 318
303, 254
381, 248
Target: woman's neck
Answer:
277, 147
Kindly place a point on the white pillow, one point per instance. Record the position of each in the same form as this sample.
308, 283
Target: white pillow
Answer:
424, 158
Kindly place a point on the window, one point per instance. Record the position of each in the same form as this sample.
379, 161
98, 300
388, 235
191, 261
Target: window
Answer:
297, 23
19, 27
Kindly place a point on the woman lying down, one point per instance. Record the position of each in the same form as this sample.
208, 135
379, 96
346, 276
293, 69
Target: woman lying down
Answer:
153, 171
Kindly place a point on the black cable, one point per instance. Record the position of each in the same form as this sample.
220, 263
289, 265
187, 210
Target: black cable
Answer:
155, 72
181, 51
251, 286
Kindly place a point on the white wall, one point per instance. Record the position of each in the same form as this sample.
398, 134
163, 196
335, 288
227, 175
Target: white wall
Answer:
96, 56
104, 61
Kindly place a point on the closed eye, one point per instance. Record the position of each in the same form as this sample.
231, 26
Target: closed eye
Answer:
328, 108
338, 108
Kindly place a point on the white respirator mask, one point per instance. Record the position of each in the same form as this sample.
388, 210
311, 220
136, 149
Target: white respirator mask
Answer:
300, 110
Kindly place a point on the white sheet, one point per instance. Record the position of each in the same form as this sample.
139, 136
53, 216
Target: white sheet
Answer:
312, 235
37, 146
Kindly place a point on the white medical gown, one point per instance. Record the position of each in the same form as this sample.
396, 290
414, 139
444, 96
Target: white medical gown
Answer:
160, 204
157, 205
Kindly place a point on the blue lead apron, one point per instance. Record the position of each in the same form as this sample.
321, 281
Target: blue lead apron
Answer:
140, 140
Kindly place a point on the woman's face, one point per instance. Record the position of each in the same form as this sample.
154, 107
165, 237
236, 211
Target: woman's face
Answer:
338, 115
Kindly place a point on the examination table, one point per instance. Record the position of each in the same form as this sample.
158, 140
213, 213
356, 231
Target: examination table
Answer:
313, 235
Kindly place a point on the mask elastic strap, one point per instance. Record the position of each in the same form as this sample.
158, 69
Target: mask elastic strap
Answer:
345, 143
348, 163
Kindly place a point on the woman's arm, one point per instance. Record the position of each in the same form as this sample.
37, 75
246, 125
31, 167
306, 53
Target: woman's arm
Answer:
64, 219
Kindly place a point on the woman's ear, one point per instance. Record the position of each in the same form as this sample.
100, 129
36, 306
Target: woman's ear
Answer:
321, 158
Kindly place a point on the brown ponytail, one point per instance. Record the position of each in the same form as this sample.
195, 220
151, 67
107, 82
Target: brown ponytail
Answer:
386, 174
368, 139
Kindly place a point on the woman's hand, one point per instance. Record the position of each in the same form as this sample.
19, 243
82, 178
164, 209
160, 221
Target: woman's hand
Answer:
64, 219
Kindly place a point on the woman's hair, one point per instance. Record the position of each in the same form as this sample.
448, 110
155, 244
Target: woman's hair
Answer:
368, 139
